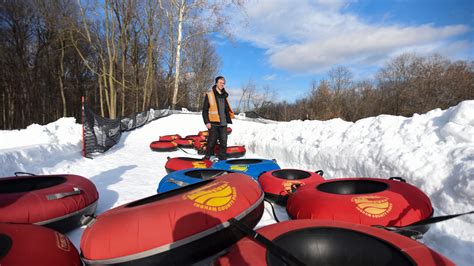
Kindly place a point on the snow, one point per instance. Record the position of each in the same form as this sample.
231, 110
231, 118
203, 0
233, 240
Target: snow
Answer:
433, 151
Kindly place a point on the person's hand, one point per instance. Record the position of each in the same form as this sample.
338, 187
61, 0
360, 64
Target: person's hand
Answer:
208, 125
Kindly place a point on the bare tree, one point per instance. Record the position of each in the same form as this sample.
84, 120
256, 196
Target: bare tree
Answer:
202, 64
189, 19
248, 92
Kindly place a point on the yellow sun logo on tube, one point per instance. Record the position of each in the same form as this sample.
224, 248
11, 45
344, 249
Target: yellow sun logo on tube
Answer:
373, 206
218, 196
199, 165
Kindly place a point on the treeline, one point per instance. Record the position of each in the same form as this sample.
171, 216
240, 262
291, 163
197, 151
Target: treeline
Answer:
123, 56
405, 85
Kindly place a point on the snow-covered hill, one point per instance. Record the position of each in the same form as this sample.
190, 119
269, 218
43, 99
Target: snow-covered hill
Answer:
433, 151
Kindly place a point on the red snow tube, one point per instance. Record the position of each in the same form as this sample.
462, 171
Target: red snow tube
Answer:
369, 201
178, 227
277, 184
196, 138
26, 244
204, 133
333, 243
163, 146
185, 143
200, 145
235, 151
181, 163
56, 201
170, 137
232, 151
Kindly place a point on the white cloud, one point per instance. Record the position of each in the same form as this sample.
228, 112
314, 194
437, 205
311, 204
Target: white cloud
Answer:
313, 36
270, 77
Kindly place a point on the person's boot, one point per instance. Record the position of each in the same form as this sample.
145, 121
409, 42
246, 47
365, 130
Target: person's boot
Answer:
222, 157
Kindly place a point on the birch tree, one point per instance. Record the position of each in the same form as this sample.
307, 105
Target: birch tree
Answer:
190, 18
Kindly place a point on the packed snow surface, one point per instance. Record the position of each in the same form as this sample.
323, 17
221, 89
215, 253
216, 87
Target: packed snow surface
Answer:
433, 151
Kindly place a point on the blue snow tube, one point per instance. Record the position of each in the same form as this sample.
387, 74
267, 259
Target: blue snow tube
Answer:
186, 177
251, 167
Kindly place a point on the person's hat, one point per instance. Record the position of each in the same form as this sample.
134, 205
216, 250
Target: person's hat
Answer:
218, 78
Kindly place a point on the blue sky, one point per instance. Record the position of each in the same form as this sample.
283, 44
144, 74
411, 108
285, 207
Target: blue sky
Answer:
288, 44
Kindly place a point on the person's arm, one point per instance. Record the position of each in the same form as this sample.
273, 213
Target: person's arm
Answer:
205, 111
227, 111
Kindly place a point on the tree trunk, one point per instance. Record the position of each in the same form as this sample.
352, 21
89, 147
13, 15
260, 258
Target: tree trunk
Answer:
101, 98
178, 54
149, 77
4, 112
61, 78
110, 93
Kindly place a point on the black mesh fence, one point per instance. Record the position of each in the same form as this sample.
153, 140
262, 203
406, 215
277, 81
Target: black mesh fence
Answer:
100, 133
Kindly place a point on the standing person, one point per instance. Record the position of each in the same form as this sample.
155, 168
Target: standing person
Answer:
217, 114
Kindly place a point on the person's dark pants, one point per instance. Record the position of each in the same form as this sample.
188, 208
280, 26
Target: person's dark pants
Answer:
217, 133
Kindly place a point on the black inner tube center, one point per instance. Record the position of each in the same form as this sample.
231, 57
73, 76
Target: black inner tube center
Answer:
244, 161
18, 185
345, 187
338, 246
190, 159
5, 245
291, 174
207, 173
167, 194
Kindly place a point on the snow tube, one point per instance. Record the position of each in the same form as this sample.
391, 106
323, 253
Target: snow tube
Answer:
169, 137
27, 244
163, 146
251, 167
179, 227
200, 145
186, 177
333, 243
184, 143
369, 201
205, 133
196, 138
277, 184
55, 201
232, 151
181, 163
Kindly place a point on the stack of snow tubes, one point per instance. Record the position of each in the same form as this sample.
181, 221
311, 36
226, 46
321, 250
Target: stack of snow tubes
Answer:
169, 143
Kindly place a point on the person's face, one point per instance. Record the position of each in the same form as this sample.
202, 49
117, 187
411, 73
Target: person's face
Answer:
220, 84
